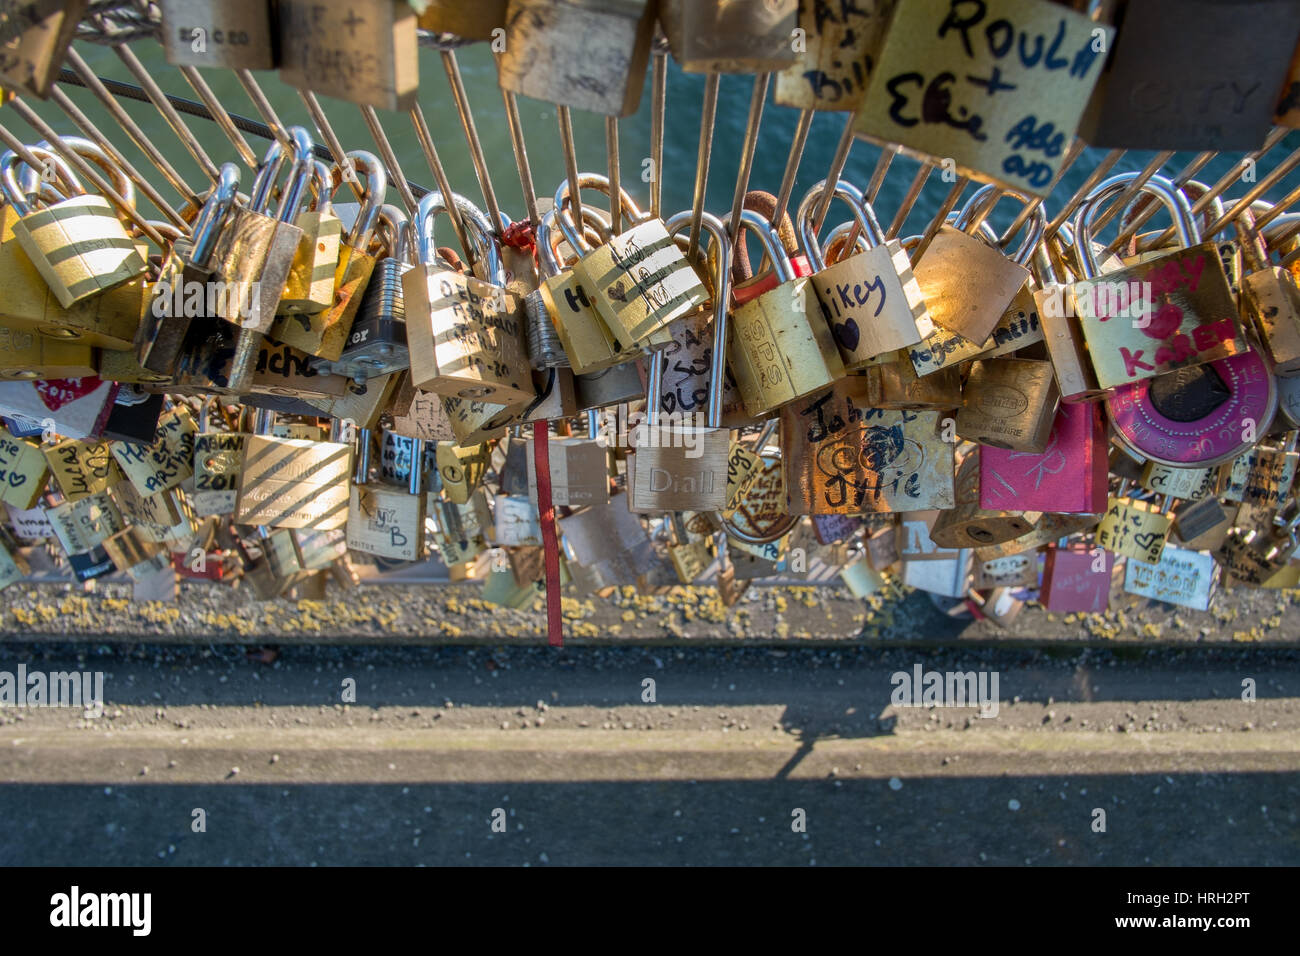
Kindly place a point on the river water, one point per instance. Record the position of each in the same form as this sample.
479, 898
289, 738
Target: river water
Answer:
685, 93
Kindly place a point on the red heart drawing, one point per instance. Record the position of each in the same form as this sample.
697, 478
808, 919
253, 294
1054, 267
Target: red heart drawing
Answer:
57, 392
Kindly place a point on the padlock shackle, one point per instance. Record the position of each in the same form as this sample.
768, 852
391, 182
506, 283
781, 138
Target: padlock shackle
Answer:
10, 185
300, 173
477, 225
361, 474
93, 152
986, 197
549, 236
268, 172
322, 186
857, 203
65, 183
368, 165
599, 183
207, 225
415, 483
395, 225
1189, 233
767, 234
717, 231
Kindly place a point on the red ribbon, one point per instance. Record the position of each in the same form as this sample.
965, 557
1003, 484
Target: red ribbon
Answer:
550, 542
519, 235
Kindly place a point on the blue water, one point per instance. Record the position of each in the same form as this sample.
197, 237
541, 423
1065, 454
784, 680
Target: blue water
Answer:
541, 134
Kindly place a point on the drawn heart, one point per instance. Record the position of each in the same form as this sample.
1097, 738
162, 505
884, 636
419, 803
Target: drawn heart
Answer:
17, 479
617, 292
1146, 539
57, 392
847, 334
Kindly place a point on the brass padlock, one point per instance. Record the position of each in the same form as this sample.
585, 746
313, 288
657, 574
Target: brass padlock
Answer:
579, 473
1205, 84
967, 525
1203, 525
585, 54
781, 349
896, 385
461, 469
730, 36
690, 556
382, 520
1252, 556
1181, 577
968, 284
82, 468
842, 459
464, 334
638, 282
605, 545
165, 463
27, 354
870, 299
325, 334
1270, 298
165, 331
364, 52
1134, 528
230, 34
36, 39
1163, 314
376, 344
681, 460
82, 525
1062, 333
1189, 484
1009, 403
310, 286
78, 245
293, 483
476, 21
218, 458
23, 471
931, 87
839, 46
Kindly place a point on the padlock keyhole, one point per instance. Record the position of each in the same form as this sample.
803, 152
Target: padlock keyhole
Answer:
1189, 394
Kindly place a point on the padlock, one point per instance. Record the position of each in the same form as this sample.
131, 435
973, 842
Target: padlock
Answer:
74, 407
376, 344
1197, 416
895, 385
781, 349
1134, 528
1062, 333
165, 463
638, 281
230, 34
578, 53
1253, 555
1188, 484
461, 469
218, 458
464, 334
1167, 313
1068, 477
690, 557
165, 331
133, 554
949, 577
82, 468
745, 285
579, 473
1202, 525
1012, 571
871, 300
364, 52
1270, 298
1009, 403
882, 547
397, 457
1181, 577
457, 542
362, 403
842, 459
385, 521
1077, 580
614, 385
1264, 476
325, 334
310, 286
516, 522
588, 345
930, 87
26, 354
1205, 84
476, 21
255, 252
726, 36
605, 545
84, 524
13, 566
681, 459
23, 471
967, 525
839, 45
968, 284
78, 245
36, 39
292, 483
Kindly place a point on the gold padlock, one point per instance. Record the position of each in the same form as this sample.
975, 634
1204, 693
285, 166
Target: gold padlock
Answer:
310, 287
1134, 528
835, 59
1270, 297
731, 36
364, 52
1009, 403
28, 354
968, 525
383, 520
23, 471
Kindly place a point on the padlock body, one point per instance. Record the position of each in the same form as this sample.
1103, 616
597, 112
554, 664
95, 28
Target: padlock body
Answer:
310, 286
840, 44
680, 468
967, 284
1009, 403
387, 522
79, 247
1068, 477
749, 36
363, 52
232, 36
1134, 529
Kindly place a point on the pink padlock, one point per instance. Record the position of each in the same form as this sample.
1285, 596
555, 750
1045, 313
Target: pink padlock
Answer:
1070, 477
1076, 580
